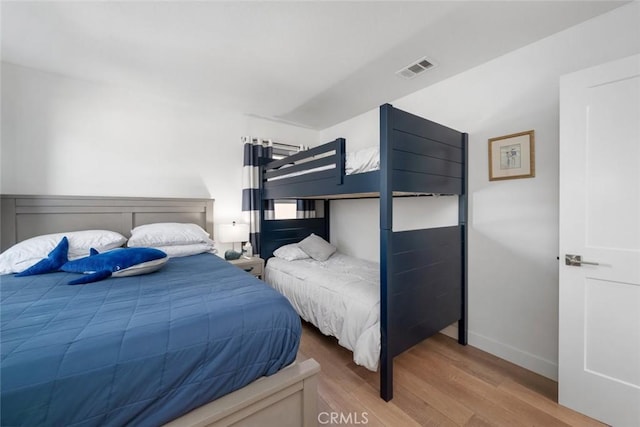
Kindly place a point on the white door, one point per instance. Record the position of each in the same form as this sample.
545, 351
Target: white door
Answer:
599, 348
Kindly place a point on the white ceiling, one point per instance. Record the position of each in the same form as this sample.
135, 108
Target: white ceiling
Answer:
311, 63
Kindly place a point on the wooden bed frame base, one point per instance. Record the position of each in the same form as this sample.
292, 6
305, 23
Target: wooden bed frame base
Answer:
286, 398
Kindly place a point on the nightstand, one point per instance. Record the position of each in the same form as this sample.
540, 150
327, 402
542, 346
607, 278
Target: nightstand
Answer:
253, 265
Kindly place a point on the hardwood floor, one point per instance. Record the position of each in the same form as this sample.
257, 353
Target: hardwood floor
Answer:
436, 383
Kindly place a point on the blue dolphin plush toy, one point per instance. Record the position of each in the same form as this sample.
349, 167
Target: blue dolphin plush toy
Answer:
117, 263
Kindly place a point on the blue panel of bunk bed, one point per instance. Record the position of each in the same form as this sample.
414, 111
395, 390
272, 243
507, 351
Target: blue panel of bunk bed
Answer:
323, 184
286, 231
441, 151
139, 350
423, 156
424, 265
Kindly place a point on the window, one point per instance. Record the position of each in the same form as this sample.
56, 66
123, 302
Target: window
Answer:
284, 209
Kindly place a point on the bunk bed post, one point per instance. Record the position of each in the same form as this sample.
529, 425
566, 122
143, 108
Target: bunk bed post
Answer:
340, 165
386, 230
327, 218
463, 213
262, 201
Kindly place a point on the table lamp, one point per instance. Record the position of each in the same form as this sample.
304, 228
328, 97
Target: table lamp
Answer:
232, 233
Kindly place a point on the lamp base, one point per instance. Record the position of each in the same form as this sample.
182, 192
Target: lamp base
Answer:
231, 255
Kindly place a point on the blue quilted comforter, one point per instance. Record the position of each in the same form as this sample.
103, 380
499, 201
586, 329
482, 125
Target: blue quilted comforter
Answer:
137, 350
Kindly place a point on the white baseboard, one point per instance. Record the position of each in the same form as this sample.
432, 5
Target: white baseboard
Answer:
529, 361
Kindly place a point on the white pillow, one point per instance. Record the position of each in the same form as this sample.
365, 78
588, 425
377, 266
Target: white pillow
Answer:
317, 248
290, 252
176, 251
168, 234
23, 255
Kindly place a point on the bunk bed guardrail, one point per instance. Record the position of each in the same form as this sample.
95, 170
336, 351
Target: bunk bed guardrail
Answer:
323, 162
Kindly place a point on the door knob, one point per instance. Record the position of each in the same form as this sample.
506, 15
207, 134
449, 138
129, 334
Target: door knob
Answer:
576, 260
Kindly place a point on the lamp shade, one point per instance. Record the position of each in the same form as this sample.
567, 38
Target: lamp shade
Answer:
231, 233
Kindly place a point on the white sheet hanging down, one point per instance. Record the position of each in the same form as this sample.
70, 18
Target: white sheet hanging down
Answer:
339, 296
360, 161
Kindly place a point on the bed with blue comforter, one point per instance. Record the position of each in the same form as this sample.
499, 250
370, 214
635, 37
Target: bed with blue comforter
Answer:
139, 350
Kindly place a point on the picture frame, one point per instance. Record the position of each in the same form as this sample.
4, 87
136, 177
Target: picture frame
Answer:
512, 156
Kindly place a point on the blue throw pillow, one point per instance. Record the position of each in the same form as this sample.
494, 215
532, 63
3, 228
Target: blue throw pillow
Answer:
117, 263
56, 259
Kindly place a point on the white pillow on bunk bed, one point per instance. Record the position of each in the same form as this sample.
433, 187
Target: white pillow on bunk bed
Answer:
317, 248
364, 160
290, 252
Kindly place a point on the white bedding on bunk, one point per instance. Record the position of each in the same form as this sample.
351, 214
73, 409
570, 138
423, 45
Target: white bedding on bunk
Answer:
359, 161
339, 296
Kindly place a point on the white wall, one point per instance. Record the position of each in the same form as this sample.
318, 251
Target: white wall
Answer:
66, 136
513, 235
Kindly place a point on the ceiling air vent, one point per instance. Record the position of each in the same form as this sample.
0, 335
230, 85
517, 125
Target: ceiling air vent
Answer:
415, 69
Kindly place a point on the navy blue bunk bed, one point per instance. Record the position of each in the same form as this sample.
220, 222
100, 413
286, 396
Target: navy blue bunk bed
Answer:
423, 275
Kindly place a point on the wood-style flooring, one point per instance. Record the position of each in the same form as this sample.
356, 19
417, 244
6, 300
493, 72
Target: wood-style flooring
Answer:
436, 383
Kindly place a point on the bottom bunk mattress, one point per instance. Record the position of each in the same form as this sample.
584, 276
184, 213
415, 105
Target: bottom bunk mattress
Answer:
340, 296
139, 350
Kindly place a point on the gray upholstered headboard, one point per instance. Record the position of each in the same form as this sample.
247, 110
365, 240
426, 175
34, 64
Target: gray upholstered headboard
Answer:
22, 217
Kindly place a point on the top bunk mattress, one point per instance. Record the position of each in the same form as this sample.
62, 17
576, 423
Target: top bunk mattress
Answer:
138, 350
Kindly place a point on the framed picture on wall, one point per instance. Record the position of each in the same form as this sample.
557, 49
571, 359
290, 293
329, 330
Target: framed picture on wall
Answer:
512, 156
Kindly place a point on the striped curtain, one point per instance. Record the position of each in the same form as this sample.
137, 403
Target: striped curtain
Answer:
254, 149
305, 209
